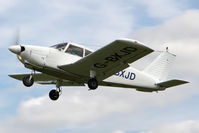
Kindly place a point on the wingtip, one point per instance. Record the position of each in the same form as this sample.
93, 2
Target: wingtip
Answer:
10, 75
183, 81
186, 82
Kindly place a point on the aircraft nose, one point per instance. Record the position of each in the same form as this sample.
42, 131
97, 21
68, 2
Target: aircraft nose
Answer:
15, 49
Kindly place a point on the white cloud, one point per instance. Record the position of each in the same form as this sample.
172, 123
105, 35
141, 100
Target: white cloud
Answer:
118, 131
73, 107
180, 28
84, 107
189, 126
6, 5
89, 22
180, 34
163, 8
92, 22
78, 107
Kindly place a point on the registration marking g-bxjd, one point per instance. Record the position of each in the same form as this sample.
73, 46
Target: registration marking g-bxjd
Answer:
116, 56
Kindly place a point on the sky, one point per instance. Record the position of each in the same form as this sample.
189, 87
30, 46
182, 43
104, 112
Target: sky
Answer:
155, 23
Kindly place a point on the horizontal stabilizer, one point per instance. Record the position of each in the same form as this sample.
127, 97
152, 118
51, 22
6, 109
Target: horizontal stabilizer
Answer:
171, 83
37, 77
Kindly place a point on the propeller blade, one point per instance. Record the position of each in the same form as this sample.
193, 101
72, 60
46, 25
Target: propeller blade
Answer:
17, 37
17, 48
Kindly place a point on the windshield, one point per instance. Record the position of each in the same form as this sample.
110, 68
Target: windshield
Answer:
75, 50
60, 46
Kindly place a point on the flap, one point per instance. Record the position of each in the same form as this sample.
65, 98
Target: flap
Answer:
108, 60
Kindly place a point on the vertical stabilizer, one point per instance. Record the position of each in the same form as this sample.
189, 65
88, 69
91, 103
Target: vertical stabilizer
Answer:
159, 68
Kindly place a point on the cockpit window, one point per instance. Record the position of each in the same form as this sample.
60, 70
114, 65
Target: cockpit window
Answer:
74, 50
60, 46
87, 52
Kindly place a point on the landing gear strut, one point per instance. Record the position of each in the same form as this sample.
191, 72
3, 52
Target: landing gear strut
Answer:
92, 83
28, 80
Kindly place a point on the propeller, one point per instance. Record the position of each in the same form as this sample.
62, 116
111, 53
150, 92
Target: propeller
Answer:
17, 48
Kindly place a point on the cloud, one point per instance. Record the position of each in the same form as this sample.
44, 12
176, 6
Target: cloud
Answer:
74, 107
189, 126
6, 5
79, 108
87, 22
180, 28
118, 131
163, 8
180, 34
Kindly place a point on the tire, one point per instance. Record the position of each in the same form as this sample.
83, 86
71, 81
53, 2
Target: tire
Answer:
92, 84
27, 81
54, 95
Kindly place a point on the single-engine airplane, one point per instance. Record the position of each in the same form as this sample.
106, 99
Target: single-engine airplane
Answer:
70, 64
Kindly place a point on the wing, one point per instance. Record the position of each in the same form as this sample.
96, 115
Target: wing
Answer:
108, 60
41, 78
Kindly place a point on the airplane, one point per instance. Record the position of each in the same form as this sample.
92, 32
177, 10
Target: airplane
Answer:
71, 64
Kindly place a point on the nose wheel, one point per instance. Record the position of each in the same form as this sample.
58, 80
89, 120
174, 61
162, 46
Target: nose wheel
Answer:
54, 94
28, 80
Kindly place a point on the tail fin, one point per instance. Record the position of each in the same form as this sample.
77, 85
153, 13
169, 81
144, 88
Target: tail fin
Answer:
159, 68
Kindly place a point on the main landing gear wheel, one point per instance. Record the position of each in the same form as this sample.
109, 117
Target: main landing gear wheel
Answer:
28, 80
54, 95
92, 83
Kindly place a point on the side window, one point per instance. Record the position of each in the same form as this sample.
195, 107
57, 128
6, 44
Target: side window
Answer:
87, 52
74, 50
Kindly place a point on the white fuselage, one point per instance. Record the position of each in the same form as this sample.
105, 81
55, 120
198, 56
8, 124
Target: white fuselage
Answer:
39, 58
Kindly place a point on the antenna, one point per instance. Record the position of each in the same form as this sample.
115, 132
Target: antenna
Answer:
167, 49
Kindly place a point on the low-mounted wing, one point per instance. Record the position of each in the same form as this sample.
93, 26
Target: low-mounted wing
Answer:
45, 79
109, 59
